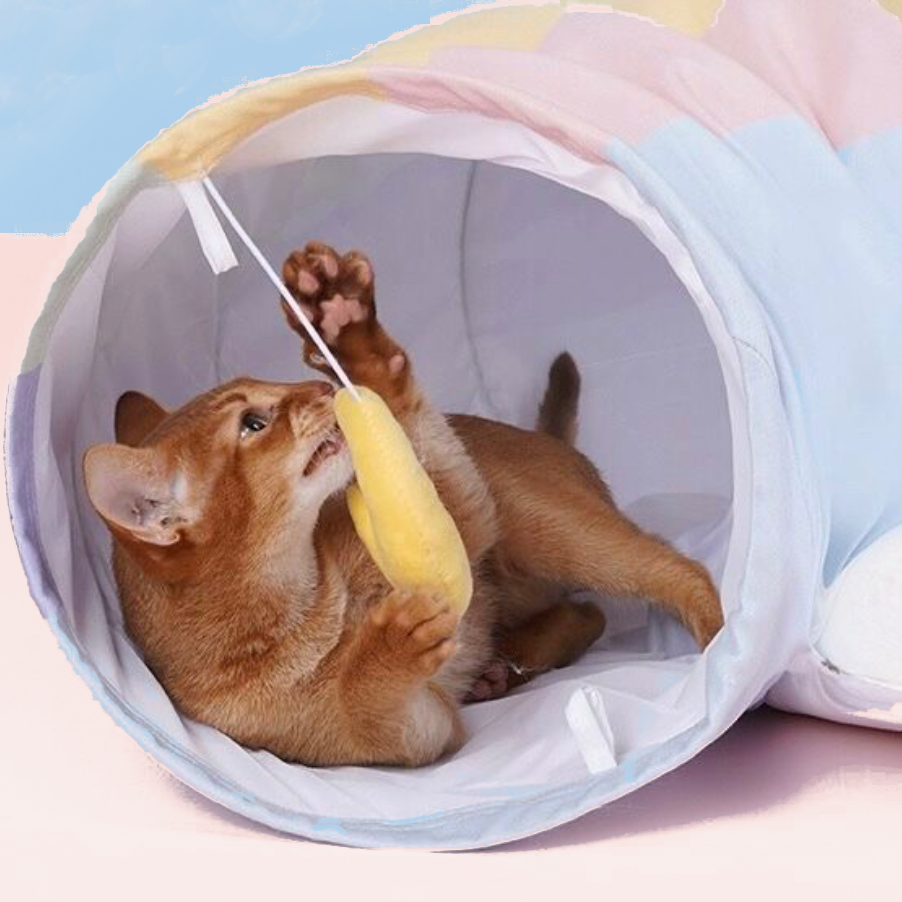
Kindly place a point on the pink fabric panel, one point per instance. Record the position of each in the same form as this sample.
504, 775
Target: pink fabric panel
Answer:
693, 78
578, 108
839, 62
600, 74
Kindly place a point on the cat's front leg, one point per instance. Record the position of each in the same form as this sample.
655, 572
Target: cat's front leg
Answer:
394, 709
337, 293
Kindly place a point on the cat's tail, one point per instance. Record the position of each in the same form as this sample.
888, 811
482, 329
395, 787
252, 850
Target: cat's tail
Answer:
559, 408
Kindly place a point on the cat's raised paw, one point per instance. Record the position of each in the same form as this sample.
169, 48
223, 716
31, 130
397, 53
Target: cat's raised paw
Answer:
334, 291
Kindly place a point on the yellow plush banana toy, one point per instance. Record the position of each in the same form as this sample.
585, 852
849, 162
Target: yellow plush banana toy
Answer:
394, 505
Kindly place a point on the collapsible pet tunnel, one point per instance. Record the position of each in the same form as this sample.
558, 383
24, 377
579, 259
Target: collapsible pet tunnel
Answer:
703, 205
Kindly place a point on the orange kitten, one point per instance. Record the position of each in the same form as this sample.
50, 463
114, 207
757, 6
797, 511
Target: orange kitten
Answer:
255, 604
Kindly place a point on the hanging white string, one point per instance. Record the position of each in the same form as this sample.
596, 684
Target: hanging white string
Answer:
293, 305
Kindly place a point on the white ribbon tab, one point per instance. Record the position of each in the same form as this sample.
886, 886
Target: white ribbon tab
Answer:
588, 721
210, 233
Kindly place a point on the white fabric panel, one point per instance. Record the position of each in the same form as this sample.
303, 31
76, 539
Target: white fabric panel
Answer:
550, 271
406, 213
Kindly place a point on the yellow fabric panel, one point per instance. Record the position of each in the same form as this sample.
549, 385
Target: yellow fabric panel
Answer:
504, 28
195, 144
894, 6
692, 17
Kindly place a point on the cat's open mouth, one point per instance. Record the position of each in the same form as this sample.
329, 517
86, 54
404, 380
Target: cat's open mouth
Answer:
328, 447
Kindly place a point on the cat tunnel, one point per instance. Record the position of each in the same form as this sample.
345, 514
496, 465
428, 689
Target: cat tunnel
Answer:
701, 204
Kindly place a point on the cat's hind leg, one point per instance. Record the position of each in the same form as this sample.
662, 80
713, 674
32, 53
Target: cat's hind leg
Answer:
593, 546
553, 638
566, 531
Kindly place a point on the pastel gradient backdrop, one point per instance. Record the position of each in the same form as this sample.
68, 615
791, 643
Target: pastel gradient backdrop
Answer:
787, 806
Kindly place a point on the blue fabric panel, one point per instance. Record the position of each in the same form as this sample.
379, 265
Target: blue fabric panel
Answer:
807, 229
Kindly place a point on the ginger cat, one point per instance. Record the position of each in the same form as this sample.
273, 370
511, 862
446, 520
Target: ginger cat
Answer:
257, 607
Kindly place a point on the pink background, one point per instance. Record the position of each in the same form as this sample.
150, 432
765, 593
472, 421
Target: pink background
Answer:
783, 806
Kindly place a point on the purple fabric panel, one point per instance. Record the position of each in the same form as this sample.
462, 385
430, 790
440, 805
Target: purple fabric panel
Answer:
21, 490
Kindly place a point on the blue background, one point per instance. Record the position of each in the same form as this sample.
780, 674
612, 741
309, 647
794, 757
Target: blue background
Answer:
83, 85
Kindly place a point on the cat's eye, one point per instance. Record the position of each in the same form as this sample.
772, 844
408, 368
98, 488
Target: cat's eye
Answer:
252, 422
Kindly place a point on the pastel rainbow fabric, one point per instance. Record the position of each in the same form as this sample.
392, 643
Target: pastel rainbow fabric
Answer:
757, 144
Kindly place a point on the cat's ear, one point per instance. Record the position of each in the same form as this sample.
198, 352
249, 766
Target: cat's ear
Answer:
136, 417
135, 492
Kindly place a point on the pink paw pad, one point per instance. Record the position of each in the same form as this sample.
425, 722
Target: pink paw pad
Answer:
396, 364
362, 270
327, 263
338, 312
492, 684
307, 282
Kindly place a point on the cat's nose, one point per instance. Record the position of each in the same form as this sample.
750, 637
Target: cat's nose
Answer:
310, 396
312, 391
